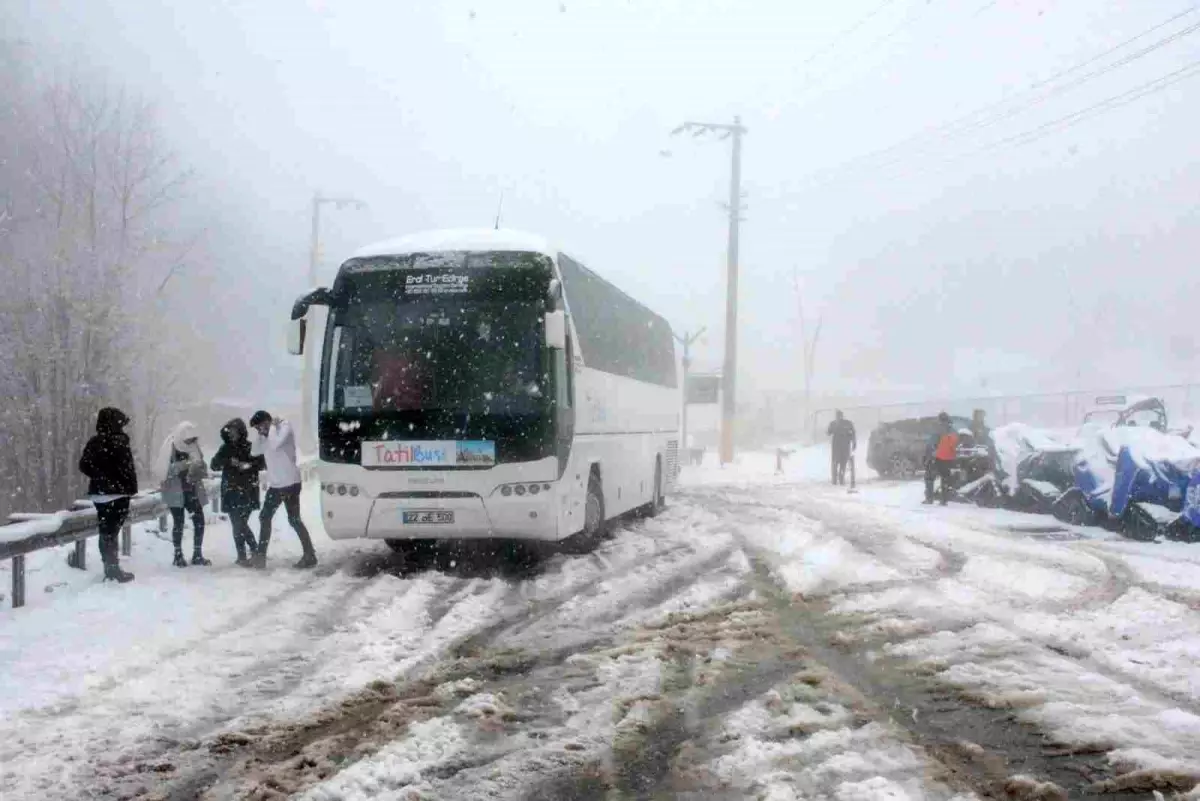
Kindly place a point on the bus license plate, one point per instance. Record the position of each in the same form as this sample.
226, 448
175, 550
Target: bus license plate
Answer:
428, 518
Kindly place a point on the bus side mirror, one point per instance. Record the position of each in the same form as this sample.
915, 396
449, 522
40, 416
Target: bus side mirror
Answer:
295, 336
556, 330
298, 327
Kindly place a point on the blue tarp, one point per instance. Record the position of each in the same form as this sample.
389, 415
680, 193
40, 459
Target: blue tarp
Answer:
1092, 482
1157, 481
1191, 502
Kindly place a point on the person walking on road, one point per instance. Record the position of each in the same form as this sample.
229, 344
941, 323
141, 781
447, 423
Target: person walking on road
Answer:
107, 461
276, 442
843, 443
942, 451
239, 485
181, 464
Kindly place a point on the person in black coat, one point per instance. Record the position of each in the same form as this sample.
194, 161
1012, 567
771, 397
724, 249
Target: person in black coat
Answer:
239, 485
107, 461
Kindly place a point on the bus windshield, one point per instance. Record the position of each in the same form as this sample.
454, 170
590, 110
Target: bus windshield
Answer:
441, 353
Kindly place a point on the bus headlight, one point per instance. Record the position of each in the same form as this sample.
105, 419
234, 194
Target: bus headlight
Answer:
521, 490
342, 490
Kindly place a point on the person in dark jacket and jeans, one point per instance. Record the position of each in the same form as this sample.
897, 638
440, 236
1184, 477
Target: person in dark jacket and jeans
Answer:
239, 485
107, 461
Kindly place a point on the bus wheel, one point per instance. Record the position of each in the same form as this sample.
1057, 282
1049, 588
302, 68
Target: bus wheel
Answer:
659, 502
593, 521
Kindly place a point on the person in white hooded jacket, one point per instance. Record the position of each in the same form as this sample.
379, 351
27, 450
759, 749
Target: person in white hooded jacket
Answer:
276, 443
181, 465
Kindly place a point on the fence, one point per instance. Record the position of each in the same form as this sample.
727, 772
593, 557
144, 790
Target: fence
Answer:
30, 533
1048, 409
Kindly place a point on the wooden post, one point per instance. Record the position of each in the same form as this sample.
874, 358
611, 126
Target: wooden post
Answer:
127, 539
18, 581
81, 554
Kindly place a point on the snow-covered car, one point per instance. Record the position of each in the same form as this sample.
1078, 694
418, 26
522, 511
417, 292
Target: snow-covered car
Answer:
897, 450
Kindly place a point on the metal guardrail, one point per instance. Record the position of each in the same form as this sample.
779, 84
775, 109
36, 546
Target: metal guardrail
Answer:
76, 526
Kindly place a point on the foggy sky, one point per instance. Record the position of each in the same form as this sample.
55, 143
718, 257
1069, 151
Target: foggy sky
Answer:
1065, 262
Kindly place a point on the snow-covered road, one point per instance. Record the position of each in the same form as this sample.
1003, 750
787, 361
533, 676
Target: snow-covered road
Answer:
769, 637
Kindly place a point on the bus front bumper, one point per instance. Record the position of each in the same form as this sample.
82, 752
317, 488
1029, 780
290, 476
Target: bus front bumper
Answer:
528, 517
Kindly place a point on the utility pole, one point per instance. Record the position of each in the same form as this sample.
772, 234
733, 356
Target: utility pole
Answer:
729, 371
686, 341
308, 439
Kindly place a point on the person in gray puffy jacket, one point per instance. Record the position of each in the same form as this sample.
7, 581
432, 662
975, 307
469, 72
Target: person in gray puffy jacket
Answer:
183, 469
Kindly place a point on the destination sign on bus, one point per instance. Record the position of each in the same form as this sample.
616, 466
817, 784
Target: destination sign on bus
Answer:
437, 453
436, 284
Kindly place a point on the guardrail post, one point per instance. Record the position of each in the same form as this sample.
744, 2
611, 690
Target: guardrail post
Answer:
127, 539
216, 503
80, 554
18, 581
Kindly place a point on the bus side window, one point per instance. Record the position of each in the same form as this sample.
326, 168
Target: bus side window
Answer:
563, 381
569, 358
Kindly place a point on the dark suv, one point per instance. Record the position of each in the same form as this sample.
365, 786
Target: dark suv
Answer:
897, 450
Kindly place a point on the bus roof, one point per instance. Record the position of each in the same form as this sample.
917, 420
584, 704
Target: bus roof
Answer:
462, 239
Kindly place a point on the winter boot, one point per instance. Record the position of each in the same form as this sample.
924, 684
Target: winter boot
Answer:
113, 572
179, 560
199, 560
308, 560
259, 560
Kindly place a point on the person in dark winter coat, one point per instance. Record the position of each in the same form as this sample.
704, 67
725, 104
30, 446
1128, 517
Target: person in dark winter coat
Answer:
182, 466
843, 444
239, 485
107, 461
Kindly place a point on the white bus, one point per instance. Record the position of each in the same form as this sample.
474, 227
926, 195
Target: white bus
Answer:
479, 384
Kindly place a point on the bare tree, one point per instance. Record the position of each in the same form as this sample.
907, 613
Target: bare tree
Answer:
91, 190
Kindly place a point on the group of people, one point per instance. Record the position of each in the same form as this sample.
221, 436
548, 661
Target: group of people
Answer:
108, 463
941, 452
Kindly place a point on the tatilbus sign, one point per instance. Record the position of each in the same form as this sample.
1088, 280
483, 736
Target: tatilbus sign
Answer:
429, 453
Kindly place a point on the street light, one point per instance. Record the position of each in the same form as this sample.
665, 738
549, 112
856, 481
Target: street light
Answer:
686, 340
307, 429
729, 372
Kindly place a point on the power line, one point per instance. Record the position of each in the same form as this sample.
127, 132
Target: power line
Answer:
846, 33
1117, 101
987, 122
978, 119
1077, 117
908, 21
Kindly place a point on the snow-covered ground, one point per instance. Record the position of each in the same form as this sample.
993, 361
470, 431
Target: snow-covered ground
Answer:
769, 637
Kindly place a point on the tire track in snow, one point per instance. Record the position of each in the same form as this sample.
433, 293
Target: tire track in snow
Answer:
197, 768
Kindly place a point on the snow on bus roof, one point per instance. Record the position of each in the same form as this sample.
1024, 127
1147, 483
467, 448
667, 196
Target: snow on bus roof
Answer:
466, 239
